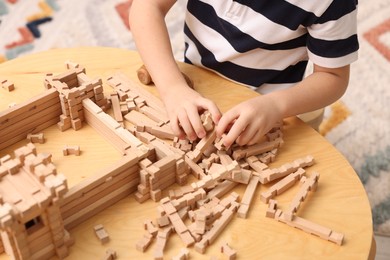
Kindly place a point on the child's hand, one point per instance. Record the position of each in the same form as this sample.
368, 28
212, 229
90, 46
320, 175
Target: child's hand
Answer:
249, 121
183, 107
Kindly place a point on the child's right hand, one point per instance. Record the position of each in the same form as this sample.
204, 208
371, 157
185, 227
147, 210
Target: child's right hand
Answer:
184, 106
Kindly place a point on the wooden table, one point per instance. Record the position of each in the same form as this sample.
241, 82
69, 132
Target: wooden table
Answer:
340, 202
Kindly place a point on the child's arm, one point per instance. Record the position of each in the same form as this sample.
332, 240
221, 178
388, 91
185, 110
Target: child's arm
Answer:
252, 119
182, 103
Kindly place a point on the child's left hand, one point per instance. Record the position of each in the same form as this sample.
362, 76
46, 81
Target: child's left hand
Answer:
249, 121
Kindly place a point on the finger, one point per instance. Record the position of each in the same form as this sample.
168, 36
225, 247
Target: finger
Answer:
257, 137
226, 120
236, 130
196, 122
247, 135
176, 129
186, 125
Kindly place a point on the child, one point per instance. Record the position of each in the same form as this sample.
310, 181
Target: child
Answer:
262, 44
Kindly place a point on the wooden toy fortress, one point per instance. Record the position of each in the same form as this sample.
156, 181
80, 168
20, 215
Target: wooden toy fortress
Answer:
37, 207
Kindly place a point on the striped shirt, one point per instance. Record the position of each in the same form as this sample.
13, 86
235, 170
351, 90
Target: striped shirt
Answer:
266, 43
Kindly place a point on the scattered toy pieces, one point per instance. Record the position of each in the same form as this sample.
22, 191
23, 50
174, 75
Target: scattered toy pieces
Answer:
101, 233
5, 84
158, 165
36, 138
228, 251
183, 255
68, 150
110, 254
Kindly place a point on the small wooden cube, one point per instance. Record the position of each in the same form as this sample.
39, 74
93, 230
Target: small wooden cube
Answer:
101, 234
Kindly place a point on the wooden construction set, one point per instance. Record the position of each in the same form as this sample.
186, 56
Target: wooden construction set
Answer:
37, 208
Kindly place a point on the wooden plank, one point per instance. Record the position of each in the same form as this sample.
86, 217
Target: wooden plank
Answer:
248, 197
128, 137
107, 132
116, 107
22, 136
153, 114
6, 121
28, 105
221, 189
98, 206
91, 106
77, 191
101, 187
93, 196
28, 124
137, 118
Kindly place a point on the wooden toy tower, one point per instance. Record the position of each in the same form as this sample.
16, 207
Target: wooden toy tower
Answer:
31, 225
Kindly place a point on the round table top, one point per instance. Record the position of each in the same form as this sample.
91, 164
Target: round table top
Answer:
340, 202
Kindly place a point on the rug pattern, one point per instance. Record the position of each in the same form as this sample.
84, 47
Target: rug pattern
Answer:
358, 125
364, 136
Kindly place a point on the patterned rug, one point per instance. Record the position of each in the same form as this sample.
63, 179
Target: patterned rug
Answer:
358, 125
364, 136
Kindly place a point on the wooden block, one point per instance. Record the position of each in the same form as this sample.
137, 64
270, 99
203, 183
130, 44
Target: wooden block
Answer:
220, 146
116, 107
68, 150
272, 207
166, 162
71, 65
218, 227
301, 195
24, 110
149, 226
95, 207
228, 251
101, 234
7, 85
311, 228
285, 169
221, 189
141, 198
168, 207
177, 223
76, 124
156, 195
163, 221
183, 255
144, 76
281, 186
164, 132
153, 114
206, 141
125, 164
36, 138
128, 137
124, 108
162, 149
110, 254
255, 149
144, 242
88, 103
207, 121
135, 117
336, 238
248, 196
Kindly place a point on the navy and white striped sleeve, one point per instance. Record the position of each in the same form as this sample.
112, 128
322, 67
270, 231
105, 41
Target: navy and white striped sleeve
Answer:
332, 41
